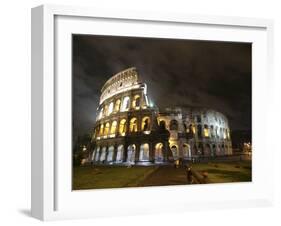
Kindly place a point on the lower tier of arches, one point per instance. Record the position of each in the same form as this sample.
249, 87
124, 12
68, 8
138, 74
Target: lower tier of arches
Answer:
155, 152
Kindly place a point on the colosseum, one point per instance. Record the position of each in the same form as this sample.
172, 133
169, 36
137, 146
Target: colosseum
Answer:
130, 129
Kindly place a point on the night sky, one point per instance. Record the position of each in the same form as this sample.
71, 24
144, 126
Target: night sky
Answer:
186, 73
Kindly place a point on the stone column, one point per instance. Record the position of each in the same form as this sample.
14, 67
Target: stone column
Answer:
106, 154
114, 153
125, 154
137, 152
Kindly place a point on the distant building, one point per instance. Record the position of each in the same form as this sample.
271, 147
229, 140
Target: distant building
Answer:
129, 128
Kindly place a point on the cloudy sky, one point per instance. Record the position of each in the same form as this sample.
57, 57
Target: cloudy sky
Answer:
177, 72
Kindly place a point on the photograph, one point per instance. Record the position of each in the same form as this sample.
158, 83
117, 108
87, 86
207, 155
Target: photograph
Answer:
152, 111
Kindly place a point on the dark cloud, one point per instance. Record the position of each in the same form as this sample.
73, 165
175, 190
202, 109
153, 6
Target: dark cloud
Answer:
178, 73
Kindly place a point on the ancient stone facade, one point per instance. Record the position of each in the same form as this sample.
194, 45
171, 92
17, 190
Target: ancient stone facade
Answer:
130, 129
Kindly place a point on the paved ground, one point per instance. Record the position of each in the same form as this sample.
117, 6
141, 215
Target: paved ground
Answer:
166, 175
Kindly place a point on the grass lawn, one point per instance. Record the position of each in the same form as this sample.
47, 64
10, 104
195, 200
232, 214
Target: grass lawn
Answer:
92, 177
222, 172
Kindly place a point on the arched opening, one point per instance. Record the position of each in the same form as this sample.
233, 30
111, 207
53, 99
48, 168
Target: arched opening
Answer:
174, 150
224, 133
159, 152
110, 108
120, 152
207, 150
133, 125
131, 153
100, 114
200, 150
106, 129
110, 153
174, 124
105, 110
97, 155
162, 125
144, 152
125, 104
113, 127
186, 151
145, 125
122, 127
228, 134
117, 105
101, 130
217, 132
136, 102
95, 152
192, 129
103, 154
206, 131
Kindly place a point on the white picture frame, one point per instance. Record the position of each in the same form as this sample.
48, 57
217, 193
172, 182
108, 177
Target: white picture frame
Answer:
51, 197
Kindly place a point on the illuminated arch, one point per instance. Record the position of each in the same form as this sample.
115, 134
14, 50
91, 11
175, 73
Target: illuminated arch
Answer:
228, 134
110, 153
101, 130
97, 154
100, 114
206, 131
113, 127
145, 124
136, 102
105, 109
224, 134
133, 125
125, 104
117, 105
174, 149
120, 153
106, 129
186, 151
192, 128
131, 153
159, 152
144, 152
103, 154
110, 108
122, 127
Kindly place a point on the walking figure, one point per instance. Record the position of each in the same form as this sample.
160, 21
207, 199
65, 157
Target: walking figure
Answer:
189, 176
